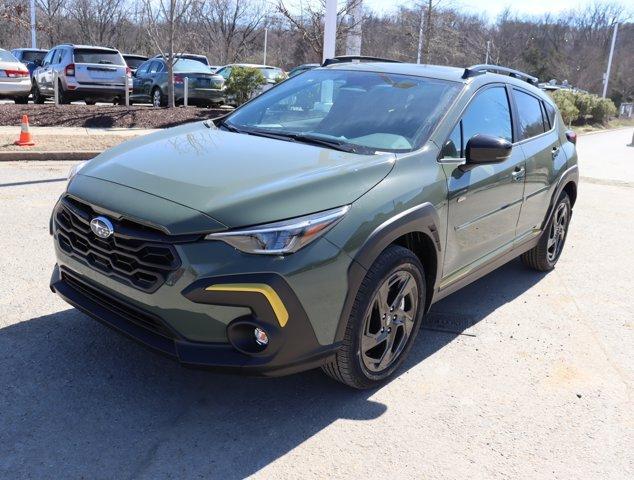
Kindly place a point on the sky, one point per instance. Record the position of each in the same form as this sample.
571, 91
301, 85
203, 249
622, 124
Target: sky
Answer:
493, 7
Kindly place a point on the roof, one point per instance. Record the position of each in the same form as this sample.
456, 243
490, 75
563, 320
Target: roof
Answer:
433, 71
92, 47
250, 65
136, 55
30, 49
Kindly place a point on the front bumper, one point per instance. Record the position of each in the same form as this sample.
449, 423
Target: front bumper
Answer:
292, 347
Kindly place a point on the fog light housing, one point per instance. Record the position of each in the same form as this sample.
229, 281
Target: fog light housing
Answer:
261, 338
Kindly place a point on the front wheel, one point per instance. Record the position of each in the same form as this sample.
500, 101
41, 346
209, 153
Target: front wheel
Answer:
37, 95
21, 100
545, 254
384, 320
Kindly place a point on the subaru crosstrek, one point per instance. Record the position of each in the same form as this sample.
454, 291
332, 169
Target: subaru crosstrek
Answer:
316, 224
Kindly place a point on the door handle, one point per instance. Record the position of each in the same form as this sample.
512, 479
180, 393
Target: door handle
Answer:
555, 152
518, 174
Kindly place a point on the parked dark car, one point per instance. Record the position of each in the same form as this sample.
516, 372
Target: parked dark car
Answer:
302, 68
150, 83
31, 57
133, 61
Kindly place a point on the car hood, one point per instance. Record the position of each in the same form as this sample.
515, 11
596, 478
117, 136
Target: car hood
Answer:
237, 179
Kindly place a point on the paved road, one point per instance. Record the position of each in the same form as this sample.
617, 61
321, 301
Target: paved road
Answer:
538, 385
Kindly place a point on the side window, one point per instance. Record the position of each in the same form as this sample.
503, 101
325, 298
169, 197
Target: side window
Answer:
143, 68
489, 113
48, 57
531, 122
154, 67
58, 56
453, 146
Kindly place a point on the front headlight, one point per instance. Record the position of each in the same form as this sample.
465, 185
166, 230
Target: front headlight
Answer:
282, 237
75, 169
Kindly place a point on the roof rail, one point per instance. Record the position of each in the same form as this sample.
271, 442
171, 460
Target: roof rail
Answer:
474, 70
358, 58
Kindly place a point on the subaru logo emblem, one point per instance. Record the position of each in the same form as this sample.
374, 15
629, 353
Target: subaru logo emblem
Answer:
102, 227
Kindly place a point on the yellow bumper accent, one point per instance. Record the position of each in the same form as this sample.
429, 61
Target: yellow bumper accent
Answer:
271, 295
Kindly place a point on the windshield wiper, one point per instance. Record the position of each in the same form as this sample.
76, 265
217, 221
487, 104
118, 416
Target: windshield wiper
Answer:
311, 139
223, 123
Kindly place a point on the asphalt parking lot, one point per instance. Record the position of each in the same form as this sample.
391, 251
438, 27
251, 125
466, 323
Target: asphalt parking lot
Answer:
531, 379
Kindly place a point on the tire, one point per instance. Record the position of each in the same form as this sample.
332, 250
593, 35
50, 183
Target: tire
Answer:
361, 361
158, 99
37, 95
90, 102
21, 100
62, 95
543, 256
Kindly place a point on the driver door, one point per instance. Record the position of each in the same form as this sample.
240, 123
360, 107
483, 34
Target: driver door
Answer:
484, 200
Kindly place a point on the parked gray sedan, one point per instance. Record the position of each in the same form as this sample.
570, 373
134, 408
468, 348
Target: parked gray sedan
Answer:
150, 83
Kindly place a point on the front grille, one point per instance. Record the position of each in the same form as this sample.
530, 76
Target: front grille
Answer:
135, 254
139, 318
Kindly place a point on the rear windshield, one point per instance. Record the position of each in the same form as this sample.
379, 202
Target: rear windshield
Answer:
134, 62
7, 57
30, 56
202, 60
94, 55
184, 65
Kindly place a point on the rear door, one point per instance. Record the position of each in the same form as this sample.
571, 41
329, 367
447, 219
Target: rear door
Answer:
96, 66
539, 140
484, 201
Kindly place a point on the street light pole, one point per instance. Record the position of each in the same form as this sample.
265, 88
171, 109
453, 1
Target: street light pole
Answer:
486, 60
266, 34
606, 78
33, 37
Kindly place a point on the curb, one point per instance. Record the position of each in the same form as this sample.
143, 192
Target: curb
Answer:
16, 155
594, 132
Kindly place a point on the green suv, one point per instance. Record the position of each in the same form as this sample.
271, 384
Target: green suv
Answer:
315, 225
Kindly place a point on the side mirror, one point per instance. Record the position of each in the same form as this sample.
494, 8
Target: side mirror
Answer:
487, 149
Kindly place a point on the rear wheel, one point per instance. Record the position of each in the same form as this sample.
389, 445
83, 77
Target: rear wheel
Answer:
62, 95
545, 254
384, 321
37, 95
90, 102
158, 99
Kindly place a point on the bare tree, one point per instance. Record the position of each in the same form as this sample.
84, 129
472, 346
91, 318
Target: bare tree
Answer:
99, 20
231, 24
308, 22
164, 20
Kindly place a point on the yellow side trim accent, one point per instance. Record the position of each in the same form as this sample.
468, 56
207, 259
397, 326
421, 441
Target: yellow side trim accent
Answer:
271, 295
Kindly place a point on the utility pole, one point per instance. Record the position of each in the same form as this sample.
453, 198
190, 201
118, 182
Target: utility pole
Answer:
420, 33
486, 60
330, 29
606, 77
266, 34
33, 37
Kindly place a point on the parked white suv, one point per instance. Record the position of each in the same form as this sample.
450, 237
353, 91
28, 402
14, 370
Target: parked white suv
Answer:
83, 72
15, 82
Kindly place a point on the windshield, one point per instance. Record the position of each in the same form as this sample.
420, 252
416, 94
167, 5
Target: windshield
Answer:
7, 57
382, 111
193, 66
90, 55
31, 56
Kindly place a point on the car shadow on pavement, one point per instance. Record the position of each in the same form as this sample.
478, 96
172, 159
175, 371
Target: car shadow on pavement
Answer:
79, 400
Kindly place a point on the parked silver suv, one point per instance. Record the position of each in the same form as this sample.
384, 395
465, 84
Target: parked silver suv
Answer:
83, 72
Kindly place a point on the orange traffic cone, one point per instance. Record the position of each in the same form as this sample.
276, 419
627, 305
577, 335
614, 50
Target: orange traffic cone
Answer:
25, 140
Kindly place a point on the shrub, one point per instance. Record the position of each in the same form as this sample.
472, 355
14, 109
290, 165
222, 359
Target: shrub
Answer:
565, 101
602, 110
243, 82
585, 102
